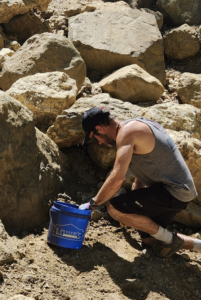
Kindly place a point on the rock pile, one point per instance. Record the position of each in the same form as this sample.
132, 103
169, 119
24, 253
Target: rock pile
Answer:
46, 52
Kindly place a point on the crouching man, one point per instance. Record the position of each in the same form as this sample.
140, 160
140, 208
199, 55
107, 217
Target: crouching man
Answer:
163, 185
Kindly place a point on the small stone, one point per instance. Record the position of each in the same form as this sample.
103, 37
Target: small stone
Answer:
145, 253
185, 256
96, 215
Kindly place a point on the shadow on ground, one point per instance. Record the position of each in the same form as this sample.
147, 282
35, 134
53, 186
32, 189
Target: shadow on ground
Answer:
172, 278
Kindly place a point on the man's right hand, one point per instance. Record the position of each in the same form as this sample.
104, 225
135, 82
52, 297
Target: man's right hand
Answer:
88, 205
85, 206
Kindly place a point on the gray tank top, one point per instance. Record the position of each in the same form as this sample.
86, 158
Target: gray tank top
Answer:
164, 164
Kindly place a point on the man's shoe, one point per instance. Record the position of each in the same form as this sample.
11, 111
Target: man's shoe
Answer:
167, 250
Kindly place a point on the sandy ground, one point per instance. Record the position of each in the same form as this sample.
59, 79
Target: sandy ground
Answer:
110, 265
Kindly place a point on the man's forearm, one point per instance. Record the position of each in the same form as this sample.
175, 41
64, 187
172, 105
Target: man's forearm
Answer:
109, 188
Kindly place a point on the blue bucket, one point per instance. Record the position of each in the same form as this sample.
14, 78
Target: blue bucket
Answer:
68, 225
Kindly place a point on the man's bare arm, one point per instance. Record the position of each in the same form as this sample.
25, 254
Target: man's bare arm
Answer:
117, 176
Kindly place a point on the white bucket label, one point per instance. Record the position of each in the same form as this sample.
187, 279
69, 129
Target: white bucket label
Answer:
68, 232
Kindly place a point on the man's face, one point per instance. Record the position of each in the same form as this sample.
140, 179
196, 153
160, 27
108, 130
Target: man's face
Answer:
102, 138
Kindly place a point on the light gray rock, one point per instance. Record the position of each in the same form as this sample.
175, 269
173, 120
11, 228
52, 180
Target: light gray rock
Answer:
181, 11
46, 52
9, 9
189, 89
102, 38
132, 84
191, 216
24, 26
181, 43
158, 15
31, 168
46, 95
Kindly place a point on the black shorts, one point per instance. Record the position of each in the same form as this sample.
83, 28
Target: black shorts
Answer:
155, 202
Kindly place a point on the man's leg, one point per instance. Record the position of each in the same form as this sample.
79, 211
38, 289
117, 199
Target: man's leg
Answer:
142, 223
136, 221
147, 225
150, 210
188, 241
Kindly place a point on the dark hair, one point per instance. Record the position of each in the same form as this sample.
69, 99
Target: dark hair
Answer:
106, 119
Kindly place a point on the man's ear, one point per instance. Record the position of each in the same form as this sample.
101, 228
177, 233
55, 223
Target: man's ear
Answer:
99, 128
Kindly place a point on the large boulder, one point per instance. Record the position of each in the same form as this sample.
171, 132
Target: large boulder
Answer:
189, 89
31, 168
132, 84
67, 130
181, 11
46, 52
24, 26
101, 155
190, 149
176, 117
46, 95
9, 9
102, 38
181, 43
191, 216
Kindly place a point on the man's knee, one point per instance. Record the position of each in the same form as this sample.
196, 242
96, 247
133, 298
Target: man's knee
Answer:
113, 212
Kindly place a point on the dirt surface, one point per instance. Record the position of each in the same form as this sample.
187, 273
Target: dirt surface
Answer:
110, 265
